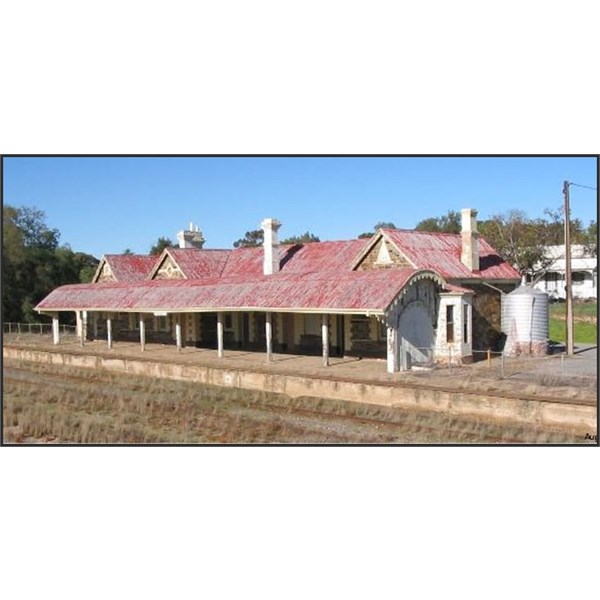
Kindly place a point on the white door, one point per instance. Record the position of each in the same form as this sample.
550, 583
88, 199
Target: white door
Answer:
416, 330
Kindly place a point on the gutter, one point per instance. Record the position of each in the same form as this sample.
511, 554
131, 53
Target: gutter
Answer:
330, 311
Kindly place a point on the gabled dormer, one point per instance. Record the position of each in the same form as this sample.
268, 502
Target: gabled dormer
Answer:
103, 273
167, 268
380, 253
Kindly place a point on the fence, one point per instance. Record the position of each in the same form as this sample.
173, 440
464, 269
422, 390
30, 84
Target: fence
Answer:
550, 370
555, 370
36, 329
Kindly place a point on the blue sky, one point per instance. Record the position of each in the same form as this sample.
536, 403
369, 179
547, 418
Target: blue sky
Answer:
104, 205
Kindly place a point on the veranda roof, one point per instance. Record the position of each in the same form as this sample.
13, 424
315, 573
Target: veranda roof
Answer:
347, 292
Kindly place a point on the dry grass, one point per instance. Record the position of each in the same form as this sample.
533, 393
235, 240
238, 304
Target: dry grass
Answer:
43, 403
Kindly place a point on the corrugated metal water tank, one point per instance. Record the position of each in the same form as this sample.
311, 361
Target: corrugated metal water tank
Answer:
524, 320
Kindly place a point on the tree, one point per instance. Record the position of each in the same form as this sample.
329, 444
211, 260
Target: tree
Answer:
521, 241
127, 251
33, 263
448, 223
376, 228
305, 238
250, 240
33, 228
160, 244
591, 238
556, 228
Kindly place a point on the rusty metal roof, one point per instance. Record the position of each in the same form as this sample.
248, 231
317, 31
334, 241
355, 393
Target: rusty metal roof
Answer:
299, 258
441, 252
352, 291
320, 256
316, 276
200, 264
128, 268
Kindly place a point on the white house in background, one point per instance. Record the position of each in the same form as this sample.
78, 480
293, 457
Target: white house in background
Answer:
584, 272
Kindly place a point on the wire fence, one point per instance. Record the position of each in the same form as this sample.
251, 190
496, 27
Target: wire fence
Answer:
21, 329
548, 370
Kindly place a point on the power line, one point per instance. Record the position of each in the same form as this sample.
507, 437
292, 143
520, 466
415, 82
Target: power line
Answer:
583, 186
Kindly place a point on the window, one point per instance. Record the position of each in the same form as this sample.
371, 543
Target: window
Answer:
465, 323
450, 324
578, 277
228, 321
360, 327
382, 331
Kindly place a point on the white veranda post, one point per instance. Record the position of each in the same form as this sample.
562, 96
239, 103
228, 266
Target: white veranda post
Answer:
325, 339
178, 333
78, 324
55, 330
142, 333
269, 335
109, 332
392, 350
220, 334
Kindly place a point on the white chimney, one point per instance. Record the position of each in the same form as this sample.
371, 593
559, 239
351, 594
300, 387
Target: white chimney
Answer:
191, 238
270, 228
470, 239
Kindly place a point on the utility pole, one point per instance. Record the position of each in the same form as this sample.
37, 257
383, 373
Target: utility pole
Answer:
568, 282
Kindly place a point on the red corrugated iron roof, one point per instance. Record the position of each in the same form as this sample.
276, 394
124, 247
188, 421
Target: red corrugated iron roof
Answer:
320, 256
244, 261
128, 268
349, 291
441, 252
200, 264
299, 258
314, 276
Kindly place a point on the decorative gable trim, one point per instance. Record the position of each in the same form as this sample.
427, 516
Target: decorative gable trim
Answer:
381, 252
167, 268
103, 272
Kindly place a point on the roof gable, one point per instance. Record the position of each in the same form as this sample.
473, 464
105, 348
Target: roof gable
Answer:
103, 272
381, 252
167, 268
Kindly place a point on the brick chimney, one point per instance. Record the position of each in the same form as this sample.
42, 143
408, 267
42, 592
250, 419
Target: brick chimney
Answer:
270, 228
191, 238
469, 255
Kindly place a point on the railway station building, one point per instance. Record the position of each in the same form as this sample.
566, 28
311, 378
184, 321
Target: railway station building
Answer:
409, 297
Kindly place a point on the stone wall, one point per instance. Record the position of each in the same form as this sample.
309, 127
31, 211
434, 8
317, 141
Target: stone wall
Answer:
370, 260
486, 317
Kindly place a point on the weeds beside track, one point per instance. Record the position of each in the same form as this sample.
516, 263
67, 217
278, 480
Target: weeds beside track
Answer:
68, 405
